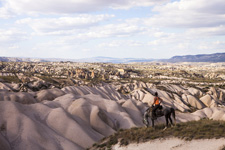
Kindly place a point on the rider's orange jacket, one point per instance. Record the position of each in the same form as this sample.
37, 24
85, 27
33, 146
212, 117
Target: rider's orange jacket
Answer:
156, 100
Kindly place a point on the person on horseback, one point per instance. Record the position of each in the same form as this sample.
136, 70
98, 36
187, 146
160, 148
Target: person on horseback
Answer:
156, 104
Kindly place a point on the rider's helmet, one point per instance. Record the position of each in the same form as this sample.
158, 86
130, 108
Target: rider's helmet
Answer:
156, 94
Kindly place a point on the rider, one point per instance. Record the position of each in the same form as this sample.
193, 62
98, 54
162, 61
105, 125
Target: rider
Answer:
156, 104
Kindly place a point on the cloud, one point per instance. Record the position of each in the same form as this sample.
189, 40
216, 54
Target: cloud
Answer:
119, 43
82, 27
72, 6
219, 45
63, 25
69, 28
112, 30
210, 47
63, 47
11, 36
126, 4
164, 38
207, 31
6, 13
10, 40
189, 14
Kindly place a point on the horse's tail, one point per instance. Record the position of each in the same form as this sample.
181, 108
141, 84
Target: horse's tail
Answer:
173, 114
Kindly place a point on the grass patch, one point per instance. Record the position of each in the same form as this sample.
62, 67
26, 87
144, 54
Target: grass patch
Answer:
223, 148
205, 80
10, 79
48, 79
203, 129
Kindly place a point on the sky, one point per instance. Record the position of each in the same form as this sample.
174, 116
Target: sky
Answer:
77, 29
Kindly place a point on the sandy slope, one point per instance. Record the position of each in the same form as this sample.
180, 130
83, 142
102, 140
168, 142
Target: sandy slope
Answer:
176, 144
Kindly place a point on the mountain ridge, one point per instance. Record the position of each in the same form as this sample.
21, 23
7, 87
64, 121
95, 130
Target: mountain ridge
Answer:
215, 57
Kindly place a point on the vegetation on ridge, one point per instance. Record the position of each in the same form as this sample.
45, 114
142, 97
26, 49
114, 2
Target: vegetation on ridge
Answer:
203, 129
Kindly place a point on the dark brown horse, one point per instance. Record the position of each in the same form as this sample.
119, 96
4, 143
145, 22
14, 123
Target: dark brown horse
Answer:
167, 112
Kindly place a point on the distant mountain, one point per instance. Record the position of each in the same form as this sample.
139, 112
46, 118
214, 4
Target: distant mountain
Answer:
216, 57
90, 60
17, 59
114, 60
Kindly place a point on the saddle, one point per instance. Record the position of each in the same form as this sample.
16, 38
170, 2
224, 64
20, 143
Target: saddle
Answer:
158, 113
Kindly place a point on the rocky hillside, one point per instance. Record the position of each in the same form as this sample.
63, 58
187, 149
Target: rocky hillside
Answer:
74, 105
76, 117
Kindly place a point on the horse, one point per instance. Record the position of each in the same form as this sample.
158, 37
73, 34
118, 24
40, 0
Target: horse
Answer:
167, 112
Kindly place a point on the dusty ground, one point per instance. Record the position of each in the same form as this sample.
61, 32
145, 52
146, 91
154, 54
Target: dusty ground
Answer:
176, 144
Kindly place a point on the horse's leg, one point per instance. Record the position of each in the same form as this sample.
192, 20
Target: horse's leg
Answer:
170, 120
174, 115
167, 122
166, 117
153, 123
145, 121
